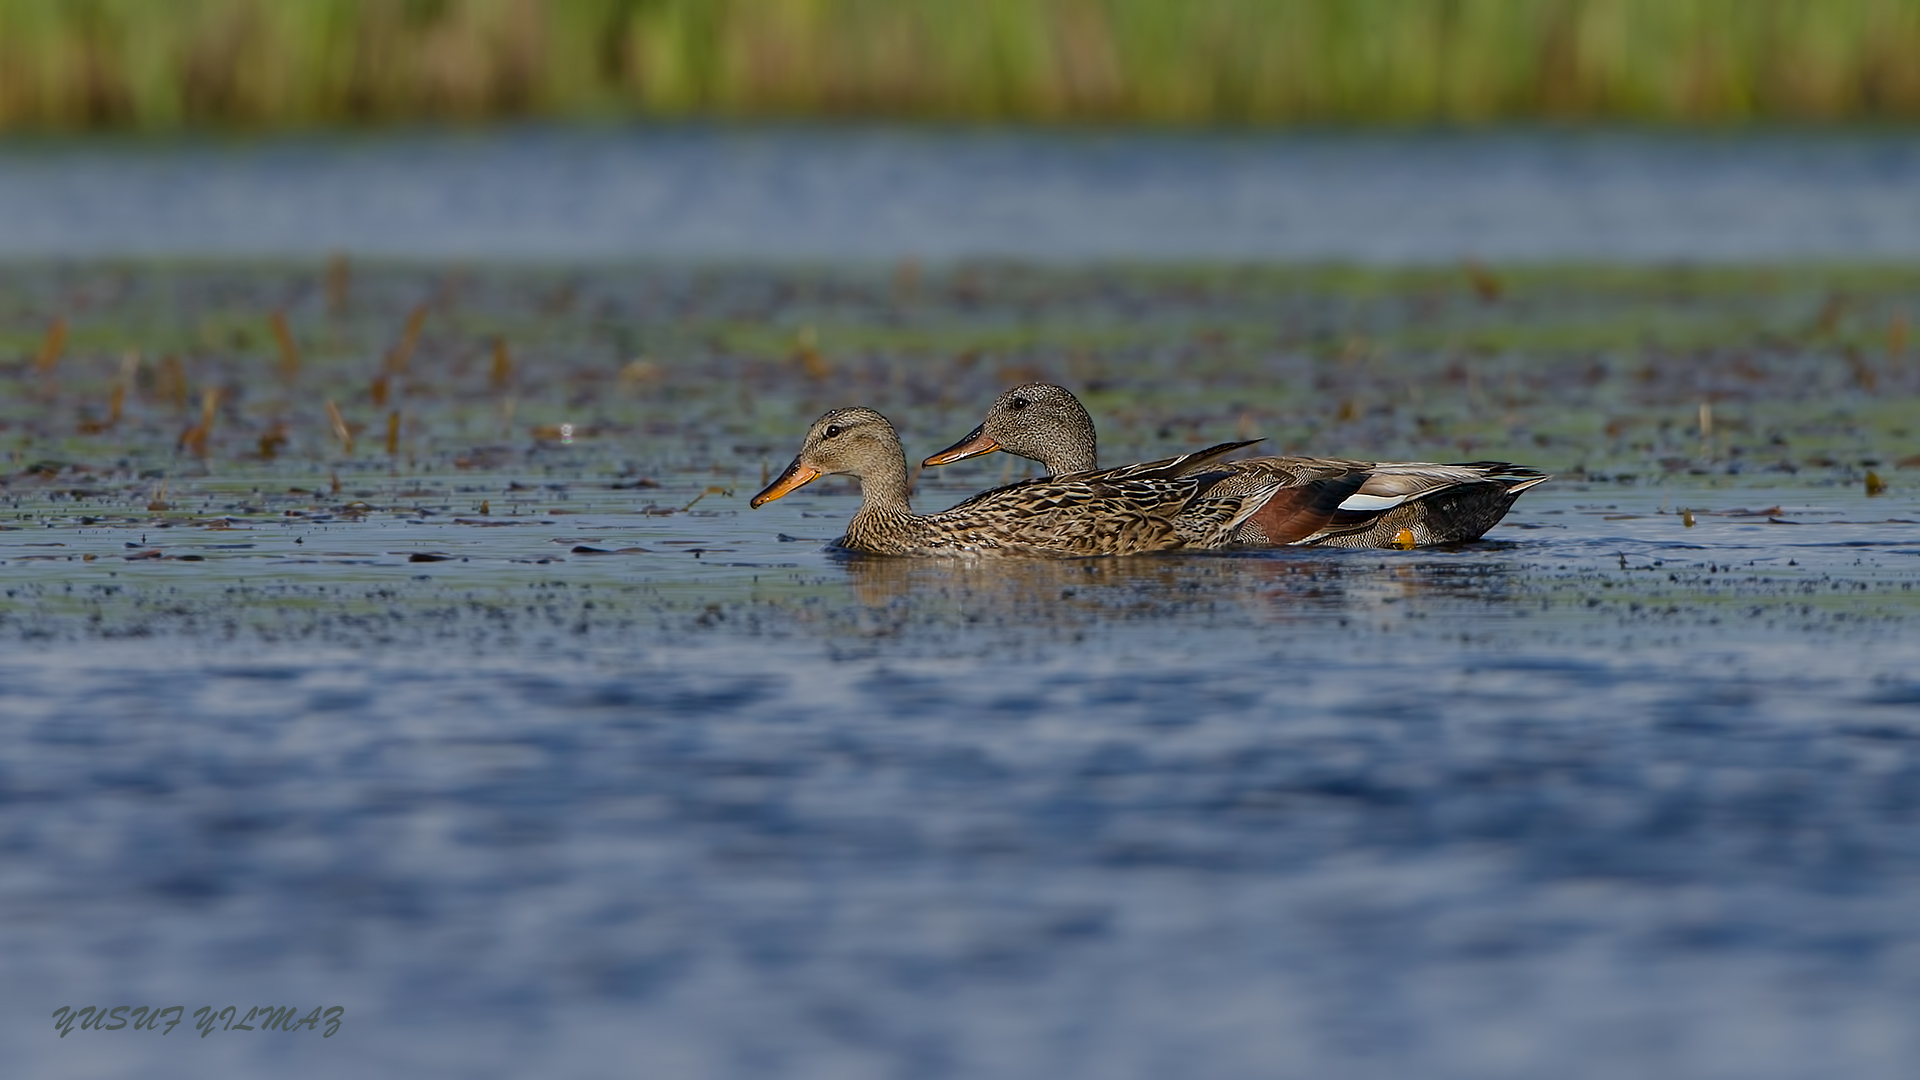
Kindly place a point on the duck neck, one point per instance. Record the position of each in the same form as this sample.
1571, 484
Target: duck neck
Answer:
883, 489
1075, 455
1070, 446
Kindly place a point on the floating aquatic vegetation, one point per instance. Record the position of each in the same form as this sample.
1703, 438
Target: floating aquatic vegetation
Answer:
693, 377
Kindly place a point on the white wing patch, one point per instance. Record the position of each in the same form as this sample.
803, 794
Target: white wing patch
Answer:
1372, 502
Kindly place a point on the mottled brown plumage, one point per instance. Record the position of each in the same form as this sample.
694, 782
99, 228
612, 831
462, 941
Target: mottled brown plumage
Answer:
1327, 501
1155, 506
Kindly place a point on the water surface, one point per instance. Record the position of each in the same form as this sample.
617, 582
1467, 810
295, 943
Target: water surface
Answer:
521, 738
815, 193
1605, 793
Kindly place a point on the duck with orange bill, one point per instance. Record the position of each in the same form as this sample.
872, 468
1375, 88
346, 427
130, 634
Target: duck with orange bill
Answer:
1190, 501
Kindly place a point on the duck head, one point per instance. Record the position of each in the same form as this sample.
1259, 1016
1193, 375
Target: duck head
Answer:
855, 441
1039, 421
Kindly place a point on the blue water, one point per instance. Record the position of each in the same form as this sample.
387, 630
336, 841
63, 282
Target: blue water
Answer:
1610, 794
885, 193
1605, 795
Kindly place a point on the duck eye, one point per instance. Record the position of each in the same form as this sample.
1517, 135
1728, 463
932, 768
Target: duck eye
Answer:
832, 430
1019, 403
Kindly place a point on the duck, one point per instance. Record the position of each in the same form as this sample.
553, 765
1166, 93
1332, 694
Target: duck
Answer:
1189, 501
1327, 502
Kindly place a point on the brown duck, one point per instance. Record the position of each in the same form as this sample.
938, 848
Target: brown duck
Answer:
1327, 501
1156, 506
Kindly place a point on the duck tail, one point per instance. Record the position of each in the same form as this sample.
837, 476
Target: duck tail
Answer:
1441, 504
1516, 478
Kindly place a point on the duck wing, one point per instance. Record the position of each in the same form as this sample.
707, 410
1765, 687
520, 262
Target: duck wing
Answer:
1169, 468
1094, 514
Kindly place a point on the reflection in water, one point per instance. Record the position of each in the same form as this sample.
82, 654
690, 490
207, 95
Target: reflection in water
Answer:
1267, 586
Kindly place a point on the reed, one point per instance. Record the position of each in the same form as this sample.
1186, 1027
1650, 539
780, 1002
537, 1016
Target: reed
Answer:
170, 382
341, 431
51, 346
139, 64
289, 352
339, 282
402, 353
194, 439
501, 376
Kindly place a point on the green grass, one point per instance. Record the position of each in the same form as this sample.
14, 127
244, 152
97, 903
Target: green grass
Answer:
139, 64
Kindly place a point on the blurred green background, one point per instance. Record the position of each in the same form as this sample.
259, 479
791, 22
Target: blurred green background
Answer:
143, 64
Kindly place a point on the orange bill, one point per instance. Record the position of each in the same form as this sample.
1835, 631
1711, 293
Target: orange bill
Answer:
796, 476
976, 442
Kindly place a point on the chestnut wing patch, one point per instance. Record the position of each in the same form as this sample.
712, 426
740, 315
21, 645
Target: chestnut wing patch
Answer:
1294, 513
